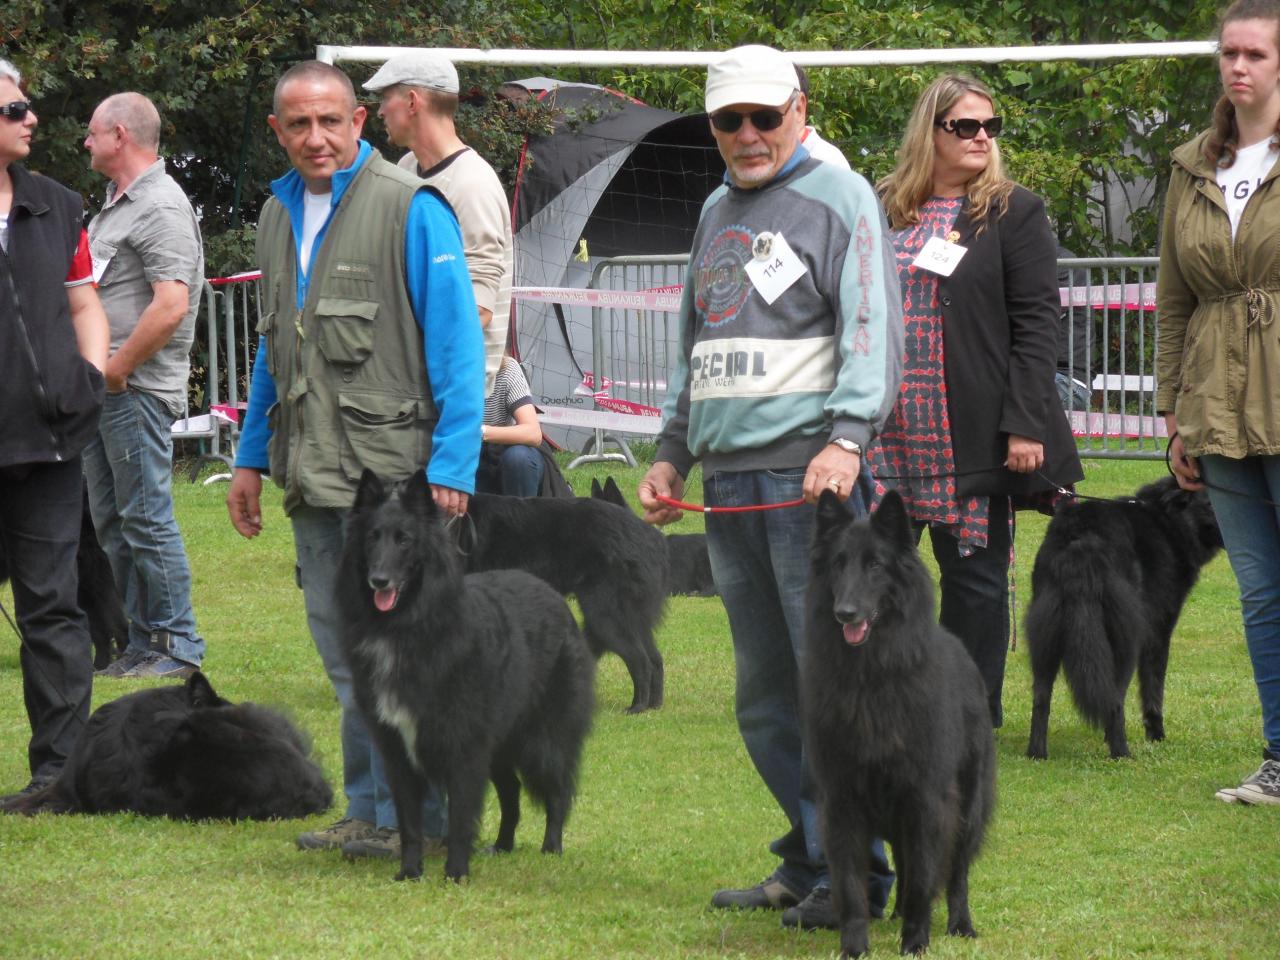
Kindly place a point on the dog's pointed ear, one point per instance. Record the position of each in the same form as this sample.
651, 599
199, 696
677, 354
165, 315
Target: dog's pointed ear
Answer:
416, 494
613, 493
597, 491
200, 692
831, 511
370, 492
891, 519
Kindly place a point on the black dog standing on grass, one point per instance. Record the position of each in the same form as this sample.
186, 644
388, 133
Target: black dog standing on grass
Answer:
896, 724
461, 679
181, 751
606, 556
1108, 586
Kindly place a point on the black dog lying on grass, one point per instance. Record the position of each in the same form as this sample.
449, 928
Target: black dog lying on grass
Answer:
461, 679
1108, 586
98, 596
181, 751
688, 562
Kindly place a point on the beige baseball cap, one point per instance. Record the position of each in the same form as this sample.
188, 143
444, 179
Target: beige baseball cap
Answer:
751, 74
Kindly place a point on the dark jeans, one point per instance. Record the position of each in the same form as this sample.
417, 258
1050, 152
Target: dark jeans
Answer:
760, 561
40, 507
975, 597
513, 471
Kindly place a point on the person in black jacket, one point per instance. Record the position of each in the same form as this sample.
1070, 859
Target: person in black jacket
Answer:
53, 346
978, 427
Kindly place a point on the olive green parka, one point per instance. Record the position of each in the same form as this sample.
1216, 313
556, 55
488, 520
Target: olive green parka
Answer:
1218, 344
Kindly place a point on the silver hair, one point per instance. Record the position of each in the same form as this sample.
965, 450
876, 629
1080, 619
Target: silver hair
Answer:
9, 72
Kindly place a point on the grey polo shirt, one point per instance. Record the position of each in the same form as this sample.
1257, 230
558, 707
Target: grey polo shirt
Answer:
145, 234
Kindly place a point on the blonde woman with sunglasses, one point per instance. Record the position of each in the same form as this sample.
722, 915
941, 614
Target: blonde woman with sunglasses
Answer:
977, 429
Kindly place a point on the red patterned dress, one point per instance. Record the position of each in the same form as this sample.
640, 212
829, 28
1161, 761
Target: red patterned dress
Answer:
913, 455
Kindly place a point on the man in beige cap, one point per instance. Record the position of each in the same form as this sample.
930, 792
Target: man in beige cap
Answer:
419, 92
790, 361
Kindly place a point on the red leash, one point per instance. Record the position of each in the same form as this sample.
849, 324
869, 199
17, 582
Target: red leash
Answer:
695, 508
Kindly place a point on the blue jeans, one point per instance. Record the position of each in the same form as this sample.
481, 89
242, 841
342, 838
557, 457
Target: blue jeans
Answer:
760, 561
518, 475
129, 466
1251, 532
317, 541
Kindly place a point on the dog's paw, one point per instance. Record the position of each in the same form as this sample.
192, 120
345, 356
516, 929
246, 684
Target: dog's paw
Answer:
962, 928
410, 874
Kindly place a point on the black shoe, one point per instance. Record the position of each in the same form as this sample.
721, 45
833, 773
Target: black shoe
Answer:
769, 894
814, 912
35, 786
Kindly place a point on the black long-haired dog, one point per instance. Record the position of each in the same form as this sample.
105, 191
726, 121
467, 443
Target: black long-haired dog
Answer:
613, 562
896, 724
1108, 586
461, 679
688, 560
182, 751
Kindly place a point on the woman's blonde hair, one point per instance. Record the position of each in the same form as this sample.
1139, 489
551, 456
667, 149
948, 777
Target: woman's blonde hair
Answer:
906, 189
1224, 137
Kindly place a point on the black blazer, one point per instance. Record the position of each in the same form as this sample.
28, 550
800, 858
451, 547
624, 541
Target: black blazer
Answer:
1000, 318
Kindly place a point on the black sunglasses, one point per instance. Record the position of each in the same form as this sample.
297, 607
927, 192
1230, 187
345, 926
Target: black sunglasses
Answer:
16, 110
966, 128
730, 121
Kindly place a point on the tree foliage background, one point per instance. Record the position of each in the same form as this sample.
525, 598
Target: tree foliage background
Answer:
1076, 130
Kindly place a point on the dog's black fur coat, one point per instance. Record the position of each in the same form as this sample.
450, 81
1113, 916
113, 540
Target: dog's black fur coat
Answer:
606, 556
461, 679
181, 751
1108, 586
688, 561
896, 724
97, 593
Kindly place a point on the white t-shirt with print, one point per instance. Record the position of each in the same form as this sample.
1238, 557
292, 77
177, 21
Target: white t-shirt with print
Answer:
1239, 180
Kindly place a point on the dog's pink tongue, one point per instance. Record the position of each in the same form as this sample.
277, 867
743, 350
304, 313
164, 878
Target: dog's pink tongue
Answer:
855, 633
385, 600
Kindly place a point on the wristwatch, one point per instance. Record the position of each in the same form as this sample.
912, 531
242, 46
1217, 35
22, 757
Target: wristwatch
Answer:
848, 446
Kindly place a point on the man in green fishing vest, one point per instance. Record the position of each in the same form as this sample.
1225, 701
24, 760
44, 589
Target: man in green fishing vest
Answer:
369, 356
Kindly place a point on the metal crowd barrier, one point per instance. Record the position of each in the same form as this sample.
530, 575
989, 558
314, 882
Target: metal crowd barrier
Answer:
633, 349
230, 307
1112, 300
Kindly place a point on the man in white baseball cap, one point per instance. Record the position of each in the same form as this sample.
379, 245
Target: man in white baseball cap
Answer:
791, 356
419, 93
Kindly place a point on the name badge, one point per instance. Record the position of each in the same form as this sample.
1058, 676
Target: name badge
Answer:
774, 273
940, 256
99, 268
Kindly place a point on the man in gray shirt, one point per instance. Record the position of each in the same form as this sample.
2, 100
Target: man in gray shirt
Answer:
149, 266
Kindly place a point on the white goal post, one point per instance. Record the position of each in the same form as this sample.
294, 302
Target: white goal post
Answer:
805, 58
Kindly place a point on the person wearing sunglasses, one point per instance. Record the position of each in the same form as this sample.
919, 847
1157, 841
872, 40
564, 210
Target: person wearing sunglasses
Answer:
791, 353
53, 348
978, 429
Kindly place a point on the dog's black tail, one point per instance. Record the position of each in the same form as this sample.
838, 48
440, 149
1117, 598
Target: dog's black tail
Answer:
1087, 618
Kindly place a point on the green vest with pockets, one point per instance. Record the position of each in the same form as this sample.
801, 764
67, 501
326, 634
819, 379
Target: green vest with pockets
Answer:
350, 375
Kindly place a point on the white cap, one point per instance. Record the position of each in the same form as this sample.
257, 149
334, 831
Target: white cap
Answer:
428, 70
752, 74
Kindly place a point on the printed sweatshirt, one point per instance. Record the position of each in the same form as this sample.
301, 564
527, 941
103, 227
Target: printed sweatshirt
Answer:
766, 386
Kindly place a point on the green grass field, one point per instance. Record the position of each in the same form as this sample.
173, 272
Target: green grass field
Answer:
1087, 857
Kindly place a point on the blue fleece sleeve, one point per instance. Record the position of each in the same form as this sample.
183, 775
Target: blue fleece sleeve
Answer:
445, 307
254, 433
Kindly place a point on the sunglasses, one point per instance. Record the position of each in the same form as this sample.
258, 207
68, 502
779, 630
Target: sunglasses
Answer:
730, 121
16, 111
966, 128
